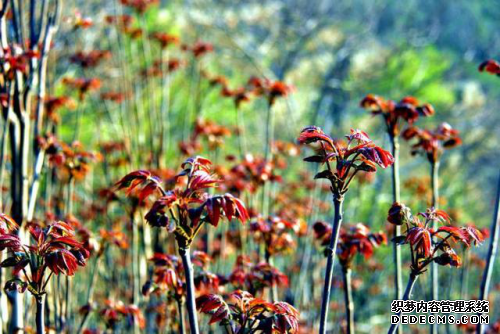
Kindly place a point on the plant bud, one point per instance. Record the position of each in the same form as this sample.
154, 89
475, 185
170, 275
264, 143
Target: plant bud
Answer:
399, 214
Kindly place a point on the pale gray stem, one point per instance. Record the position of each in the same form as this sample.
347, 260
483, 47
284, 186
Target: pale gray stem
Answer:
406, 296
492, 252
190, 302
332, 249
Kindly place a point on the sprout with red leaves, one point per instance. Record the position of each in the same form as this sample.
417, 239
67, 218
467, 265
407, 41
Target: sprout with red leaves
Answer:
90, 59
145, 180
16, 60
168, 279
399, 214
244, 313
425, 242
239, 95
490, 66
53, 104
268, 88
430, 245
81, 22
358, 154
53, 250
432, 143
256, 277
140, 6
115, 312
168, 276
275, 233
82, 85
120, 20
408, 109
212, 133
7, 224
164, 39
395, 114
225, 205
356, 240
111, 237
73, 161
198, 49
184, 211
251, 174
10, 242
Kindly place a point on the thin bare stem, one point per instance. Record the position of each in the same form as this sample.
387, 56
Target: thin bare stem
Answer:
190, 303
268, 157
492, 252
349, 303
242, 141
398, 279
180, 307
135, 257
40, 312
90, 293
434, 267
409, 288
332, 248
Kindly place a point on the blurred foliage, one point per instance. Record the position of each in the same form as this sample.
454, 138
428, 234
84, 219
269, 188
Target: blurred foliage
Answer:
335, 53
332, 53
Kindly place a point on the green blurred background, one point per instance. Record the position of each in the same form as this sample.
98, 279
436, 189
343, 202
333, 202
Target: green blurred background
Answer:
333, 53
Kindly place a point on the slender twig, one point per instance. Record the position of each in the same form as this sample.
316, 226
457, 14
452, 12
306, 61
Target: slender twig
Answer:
273, 288
268, 157
135, 257
349, 303
242, 141
149, 98
348, 182
409, 288
180, 307
331, 250
306, 259
164, 108
90, 292
3, 149
434, 267
40, 311
39, 162
269, 133
492, 252
47, 281
398, 279
190, 302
